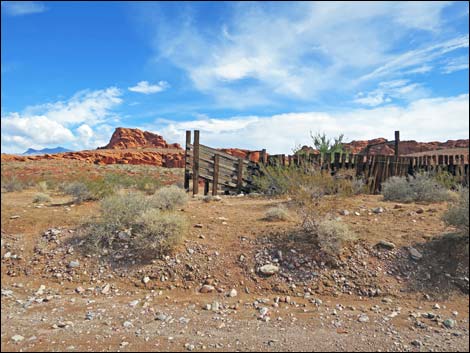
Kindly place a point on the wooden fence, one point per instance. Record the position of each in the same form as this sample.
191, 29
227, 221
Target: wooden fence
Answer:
215, 167
223, 170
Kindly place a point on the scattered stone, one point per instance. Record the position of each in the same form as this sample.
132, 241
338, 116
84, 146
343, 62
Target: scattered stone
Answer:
378, 210
73, 264
161, 317
269, 270
207, 289
233, 293
146, 279
416, 343
420, 210
357, 213
386, 244
344, 212
449, 323
41, 289
363, 318
198, 225
105, 289
14, 217
134, 303
189, 347
415, 254
127, 324
436, 306
17, 338
7, 255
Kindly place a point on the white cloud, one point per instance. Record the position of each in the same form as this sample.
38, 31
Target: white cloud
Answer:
65, 122
19, 8
146, 88
301, 50
387, 91
420, 120
455, 64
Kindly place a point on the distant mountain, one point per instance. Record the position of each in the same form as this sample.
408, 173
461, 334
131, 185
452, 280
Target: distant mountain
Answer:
32, 151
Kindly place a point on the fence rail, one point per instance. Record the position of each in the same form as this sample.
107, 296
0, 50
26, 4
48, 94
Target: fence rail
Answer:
222, 170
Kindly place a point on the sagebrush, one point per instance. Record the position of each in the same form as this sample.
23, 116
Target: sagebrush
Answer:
421, 188
277, 213
41, 197
458, 213
169, 198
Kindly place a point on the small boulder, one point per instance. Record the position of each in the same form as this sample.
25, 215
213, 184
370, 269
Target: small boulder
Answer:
269, 270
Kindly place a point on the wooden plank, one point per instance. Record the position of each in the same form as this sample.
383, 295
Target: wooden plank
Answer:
206, 186
397, 143
186, 156
215, 175
263, 156
196, 163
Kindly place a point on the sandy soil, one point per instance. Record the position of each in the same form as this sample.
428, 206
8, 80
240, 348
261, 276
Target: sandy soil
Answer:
374, 299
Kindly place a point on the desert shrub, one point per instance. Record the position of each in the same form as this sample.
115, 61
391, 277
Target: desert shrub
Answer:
11, 184
78, 190
100, 188
42, 186
278, 213
128, 223
278, 180
41, 197
458, 213
147, 184
446, 179
159, 232
331, 235
358, 186
422, 188
121, 209
169, 198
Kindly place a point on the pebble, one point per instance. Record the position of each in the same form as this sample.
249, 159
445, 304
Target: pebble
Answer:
415, 254
14, 217
449, 323
233, 293
146, 279
17, 338
269, 270
344, 212
416, 343
386, 244
363, 318
127, 324
73, 264
378, 210
207, 288
198, 225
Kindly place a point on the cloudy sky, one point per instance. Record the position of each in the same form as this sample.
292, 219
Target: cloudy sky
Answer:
249, 75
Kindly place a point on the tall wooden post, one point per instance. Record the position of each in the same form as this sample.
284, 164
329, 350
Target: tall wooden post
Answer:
186, 160
215, 177
263, 156
196, 163
397, 144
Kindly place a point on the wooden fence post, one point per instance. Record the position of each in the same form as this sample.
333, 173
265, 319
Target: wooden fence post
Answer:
263, 156
397, 144
186, 160
196, 163
215, 177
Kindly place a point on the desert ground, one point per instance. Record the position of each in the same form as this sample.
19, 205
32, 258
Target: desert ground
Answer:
209, 295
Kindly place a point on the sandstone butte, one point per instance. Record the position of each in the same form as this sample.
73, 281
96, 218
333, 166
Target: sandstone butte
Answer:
134, 146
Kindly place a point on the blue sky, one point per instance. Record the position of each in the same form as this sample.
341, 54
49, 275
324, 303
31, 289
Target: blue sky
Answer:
250, 75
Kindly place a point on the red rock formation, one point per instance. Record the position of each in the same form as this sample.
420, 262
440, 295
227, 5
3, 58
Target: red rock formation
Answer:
124, 138
253, 156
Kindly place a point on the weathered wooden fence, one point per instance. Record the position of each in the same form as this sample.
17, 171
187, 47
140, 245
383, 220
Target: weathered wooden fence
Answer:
375, 169
215, 167
224, 171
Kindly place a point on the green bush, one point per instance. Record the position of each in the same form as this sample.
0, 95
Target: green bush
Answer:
278, 213
169, 198
422, 188
41, 197
458, 213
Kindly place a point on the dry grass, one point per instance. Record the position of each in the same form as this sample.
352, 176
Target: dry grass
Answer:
41, 198
278, 213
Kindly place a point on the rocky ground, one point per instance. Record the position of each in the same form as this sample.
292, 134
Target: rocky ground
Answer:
237, 283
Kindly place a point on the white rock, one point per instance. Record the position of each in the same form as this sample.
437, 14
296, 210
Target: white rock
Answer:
269, 270
233, 293
17, 338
